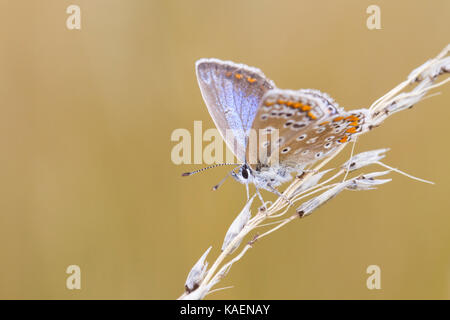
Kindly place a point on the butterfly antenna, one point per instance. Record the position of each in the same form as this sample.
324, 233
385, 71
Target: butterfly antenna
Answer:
206, 168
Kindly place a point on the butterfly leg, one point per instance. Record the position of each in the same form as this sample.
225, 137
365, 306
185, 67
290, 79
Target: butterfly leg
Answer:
221, 181
261, 198
246, 188
278, 193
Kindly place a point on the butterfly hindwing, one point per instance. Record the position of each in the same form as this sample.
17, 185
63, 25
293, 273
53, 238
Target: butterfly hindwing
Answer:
310, 126
232, 93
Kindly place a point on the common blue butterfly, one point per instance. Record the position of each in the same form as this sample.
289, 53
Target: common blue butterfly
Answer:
308, 123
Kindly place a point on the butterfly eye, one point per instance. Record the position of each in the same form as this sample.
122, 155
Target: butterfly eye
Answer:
245, 173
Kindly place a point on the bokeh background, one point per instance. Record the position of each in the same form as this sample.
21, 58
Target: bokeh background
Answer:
86, 176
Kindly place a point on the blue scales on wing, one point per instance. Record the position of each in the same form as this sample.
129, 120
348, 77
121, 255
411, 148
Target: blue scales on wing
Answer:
232, 93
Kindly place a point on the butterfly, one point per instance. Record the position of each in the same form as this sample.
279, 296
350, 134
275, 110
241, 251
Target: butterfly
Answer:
296, 128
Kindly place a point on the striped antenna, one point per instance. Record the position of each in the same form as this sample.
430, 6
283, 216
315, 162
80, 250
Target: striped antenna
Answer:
186, 174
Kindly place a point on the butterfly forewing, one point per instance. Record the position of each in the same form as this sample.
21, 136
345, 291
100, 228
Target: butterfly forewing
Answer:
232, 93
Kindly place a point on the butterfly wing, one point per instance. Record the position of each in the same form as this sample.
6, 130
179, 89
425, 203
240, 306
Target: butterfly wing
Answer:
232, 92
310, 126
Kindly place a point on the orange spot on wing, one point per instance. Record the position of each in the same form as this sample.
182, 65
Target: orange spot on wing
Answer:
238, 76
351, 130
290, 103
312, 116
344, 139
280, 101
268, 103
352, 118
306, 108
354, 123
338, 119
251, 80
228, 74
324, 123
297, 105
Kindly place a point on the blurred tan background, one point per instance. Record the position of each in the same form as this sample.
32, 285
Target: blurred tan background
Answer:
85, 171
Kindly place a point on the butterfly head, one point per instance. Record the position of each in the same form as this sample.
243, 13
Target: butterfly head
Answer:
245, 174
